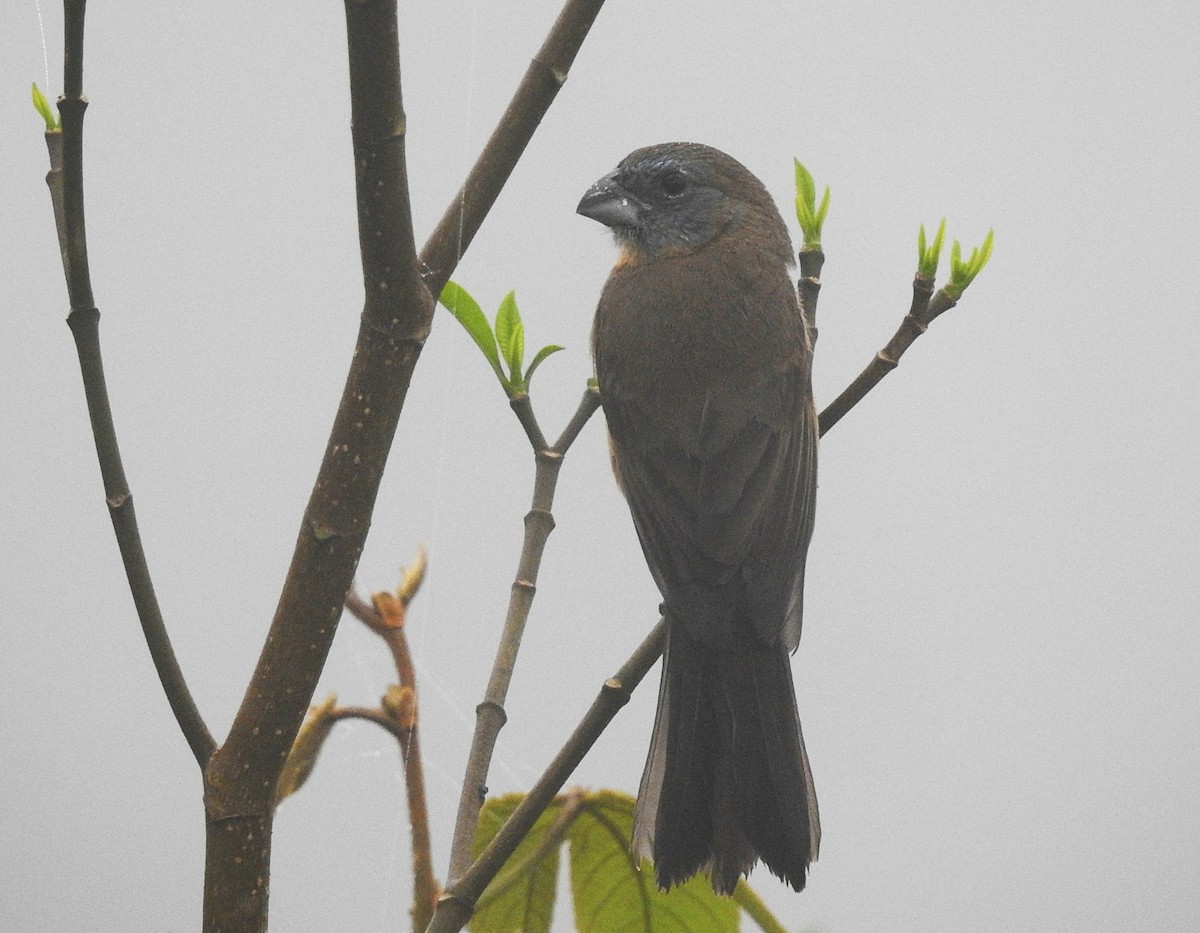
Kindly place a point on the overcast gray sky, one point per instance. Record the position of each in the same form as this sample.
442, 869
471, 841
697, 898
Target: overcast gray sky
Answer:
998, 672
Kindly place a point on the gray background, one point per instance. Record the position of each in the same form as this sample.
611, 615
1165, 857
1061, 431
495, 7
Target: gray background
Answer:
998, 672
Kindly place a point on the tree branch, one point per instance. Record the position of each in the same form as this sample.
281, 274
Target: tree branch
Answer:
65, 181
458, 903
921, 313
395, 321
543, 79
398, 309
386, 617
572, 804
377, 716
489, 715
809, 289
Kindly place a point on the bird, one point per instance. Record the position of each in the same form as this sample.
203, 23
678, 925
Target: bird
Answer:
703, 363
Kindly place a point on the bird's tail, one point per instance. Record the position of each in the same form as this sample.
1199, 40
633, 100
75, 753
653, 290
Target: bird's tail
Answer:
727, 780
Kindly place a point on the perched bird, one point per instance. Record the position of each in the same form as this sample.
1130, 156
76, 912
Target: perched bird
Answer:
704, 366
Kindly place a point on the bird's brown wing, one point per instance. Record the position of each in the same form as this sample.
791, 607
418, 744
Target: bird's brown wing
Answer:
724, 506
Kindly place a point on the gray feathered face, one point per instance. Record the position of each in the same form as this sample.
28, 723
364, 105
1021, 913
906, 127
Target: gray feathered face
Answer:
676, 197
669, 196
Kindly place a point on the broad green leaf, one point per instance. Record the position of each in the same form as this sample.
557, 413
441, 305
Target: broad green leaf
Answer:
537, 361
526, 905
460, 303
609, 891
510, 334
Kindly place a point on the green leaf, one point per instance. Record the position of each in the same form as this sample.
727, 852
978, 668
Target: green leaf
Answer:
985, 252
962, 273
806, 189
810, 217
526, 906
928, 257
42, 106
510, 334
609, 891
460, 303
537, 361
822, 211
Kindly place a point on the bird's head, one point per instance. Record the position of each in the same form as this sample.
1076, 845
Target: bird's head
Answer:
678, 197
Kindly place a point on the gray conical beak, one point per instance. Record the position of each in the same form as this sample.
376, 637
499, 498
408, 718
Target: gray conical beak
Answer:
609, 203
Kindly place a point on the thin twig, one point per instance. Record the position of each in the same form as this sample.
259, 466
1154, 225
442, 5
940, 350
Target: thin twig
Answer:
543, 79
65, 181
458, 902
921, 312
425, 885
587, 407
522, 407
809, 289
490, 714
387, 619
372, 714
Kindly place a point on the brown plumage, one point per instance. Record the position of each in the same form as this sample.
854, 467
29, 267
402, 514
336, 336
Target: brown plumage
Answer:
705, 378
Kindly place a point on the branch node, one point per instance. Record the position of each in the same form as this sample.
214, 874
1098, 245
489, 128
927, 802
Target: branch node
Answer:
491, 706
918, 324
540, 516
614, 688
451, 901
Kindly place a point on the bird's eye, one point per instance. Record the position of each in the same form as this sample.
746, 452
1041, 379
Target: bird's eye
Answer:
674, 184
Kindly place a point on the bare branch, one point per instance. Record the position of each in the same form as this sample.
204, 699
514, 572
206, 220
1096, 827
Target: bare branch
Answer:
543, 79
374, 715
65, 181
490, 715
522, 407
397, 312
458, 903
587, 408
390, 616
395, 321
921, 312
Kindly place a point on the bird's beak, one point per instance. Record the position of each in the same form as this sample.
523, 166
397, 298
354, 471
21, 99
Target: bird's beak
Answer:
609, 203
